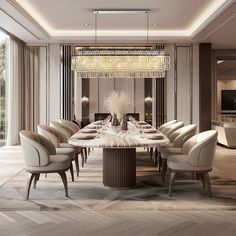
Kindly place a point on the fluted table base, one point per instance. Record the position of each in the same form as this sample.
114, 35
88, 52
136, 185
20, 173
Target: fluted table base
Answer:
119, 167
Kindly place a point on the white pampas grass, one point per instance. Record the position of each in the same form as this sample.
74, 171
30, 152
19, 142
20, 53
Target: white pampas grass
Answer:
117, 103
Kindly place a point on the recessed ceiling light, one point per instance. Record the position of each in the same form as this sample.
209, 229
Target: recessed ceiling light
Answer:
218, 62
155, 25
86, 24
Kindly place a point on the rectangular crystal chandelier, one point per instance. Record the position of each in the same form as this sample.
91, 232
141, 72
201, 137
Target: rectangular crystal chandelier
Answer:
120, 63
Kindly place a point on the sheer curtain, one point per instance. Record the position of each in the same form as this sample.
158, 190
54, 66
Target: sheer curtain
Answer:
23, 90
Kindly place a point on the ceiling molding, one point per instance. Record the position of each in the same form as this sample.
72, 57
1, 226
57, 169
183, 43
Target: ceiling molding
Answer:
21, 17
13, 28
217, 23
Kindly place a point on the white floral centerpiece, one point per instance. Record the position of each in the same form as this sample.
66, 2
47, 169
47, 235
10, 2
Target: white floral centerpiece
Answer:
117, 103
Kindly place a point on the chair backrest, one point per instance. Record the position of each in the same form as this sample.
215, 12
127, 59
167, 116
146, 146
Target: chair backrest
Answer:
70, 124
65, 130
169, 130
49, 133
180, 136
36, 148
201, 148
167, 124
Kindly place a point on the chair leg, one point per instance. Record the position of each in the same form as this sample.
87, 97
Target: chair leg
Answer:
36, 178
72, 172
29, 184
172, 178
156, 153
202, 180
77, 165
151, 152
208, 183
86, 155
163, 169
89, 151
194, 176
82, 158
160, 161
64, 180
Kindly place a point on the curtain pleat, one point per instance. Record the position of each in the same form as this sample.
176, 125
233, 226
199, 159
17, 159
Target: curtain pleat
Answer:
23, 90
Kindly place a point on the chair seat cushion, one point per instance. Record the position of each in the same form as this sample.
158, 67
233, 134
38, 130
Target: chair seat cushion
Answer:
66, 151
167, 151
67, 145
57, 163
179, 163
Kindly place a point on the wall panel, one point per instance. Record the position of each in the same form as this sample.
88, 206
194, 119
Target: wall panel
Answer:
43, 85
105, 86
170, 84
126, 85
54, 86
183, 95
139, 97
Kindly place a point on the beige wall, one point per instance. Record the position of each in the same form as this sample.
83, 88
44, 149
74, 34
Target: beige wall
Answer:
100, 88
184, 92
182, 85
50, 88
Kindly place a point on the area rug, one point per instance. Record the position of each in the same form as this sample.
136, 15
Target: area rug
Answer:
88, 192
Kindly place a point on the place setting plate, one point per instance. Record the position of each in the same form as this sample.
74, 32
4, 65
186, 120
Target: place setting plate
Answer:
85, 136
142, 123
88, 131
155, 137
150, 131
98, 122
146, 126
92, 126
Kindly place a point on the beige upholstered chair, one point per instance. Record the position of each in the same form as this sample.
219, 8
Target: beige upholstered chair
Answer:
40, 157
177, 139
75, 128
161, 128
67, 132
197, 158
70, 124
54, 136
167, 124
170, 129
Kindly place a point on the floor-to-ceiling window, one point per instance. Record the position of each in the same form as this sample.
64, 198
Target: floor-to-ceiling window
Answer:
4, 39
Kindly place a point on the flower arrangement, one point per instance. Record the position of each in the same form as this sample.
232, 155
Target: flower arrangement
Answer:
117, 103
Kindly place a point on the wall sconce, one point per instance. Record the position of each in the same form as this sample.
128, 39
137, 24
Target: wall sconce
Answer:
148, 100
85, 100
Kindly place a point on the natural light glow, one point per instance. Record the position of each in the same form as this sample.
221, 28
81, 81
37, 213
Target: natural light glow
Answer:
200, 21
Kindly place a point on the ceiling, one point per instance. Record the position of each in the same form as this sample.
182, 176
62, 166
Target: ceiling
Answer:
227, 69
57, 16
169, 20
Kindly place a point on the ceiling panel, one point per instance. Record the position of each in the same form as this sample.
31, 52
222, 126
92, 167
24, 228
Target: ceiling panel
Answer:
72, 14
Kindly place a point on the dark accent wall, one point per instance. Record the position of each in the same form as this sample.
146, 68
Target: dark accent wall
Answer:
148, 106
66, 82
204, 86
85, 106
160, 101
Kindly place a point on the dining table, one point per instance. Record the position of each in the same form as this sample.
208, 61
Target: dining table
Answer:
119, 148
